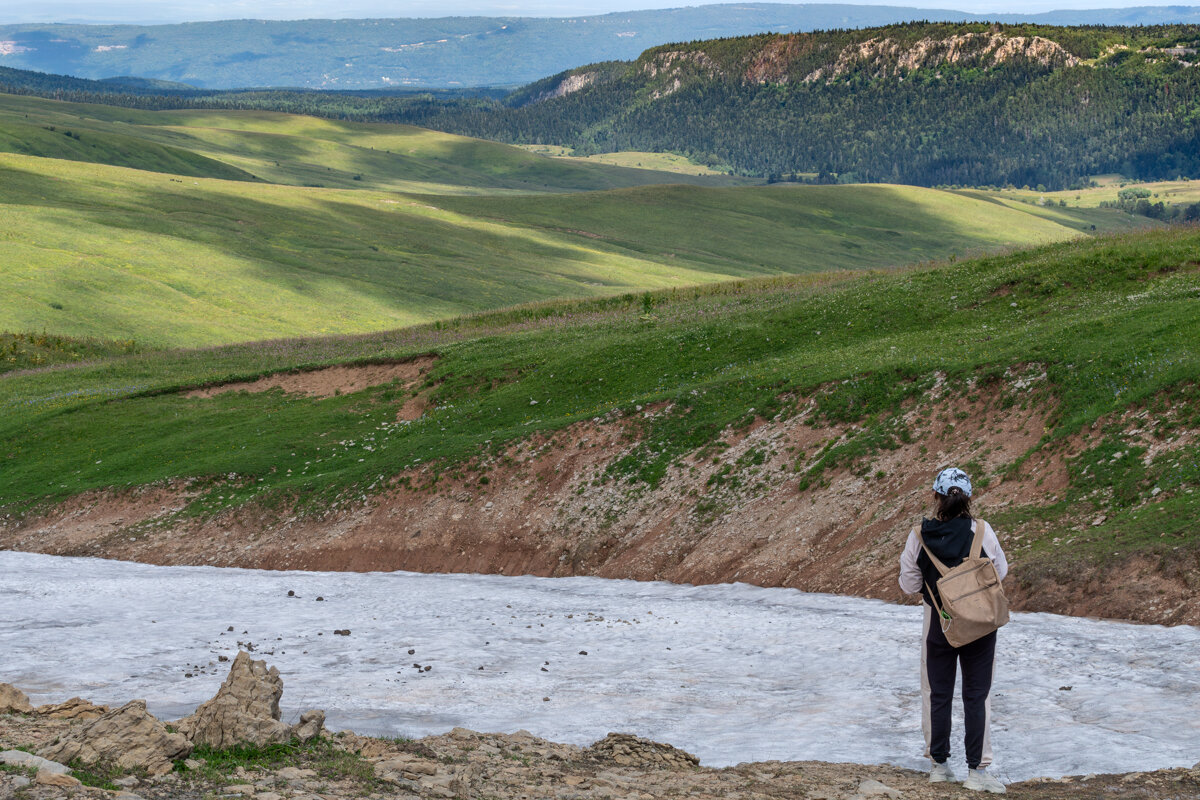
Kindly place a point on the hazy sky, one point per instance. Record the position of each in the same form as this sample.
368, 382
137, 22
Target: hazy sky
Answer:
158, 11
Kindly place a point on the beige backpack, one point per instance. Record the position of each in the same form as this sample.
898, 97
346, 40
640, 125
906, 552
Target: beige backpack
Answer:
973, 601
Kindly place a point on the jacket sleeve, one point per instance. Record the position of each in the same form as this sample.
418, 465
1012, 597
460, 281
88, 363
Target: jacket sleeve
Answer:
991, 546
910, 573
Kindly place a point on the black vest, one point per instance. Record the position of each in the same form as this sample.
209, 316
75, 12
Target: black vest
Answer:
950, 541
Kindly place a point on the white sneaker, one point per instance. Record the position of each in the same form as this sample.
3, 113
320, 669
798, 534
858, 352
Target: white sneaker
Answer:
941, 773
981, 780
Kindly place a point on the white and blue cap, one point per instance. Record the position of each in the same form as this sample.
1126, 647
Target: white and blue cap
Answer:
951, 477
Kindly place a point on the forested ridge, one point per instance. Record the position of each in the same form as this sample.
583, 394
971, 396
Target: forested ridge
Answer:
1062, 104
919, 103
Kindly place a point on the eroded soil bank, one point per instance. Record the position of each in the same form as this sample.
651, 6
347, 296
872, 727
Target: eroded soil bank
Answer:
740, 511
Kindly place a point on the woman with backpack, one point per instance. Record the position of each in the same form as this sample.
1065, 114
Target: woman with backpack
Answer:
949, 537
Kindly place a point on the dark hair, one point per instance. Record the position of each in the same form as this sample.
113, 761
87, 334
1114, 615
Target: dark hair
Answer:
953, 504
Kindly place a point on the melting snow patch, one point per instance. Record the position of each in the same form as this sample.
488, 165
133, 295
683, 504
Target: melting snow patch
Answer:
730, 672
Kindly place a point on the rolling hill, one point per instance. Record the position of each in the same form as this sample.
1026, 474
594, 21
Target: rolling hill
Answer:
298, 150
115, 253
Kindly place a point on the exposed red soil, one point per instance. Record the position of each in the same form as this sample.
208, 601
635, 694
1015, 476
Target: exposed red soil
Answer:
328, 381
546, 510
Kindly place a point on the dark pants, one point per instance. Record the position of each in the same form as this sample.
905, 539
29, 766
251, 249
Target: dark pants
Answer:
941, 661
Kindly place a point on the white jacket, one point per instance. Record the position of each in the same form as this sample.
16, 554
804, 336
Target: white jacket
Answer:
910, 573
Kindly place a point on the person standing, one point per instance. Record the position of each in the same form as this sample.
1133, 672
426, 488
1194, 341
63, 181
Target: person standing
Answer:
949, 536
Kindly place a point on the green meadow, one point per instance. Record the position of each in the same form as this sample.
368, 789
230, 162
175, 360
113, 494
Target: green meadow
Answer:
198, 228
300, 151
1112, 321
168, 260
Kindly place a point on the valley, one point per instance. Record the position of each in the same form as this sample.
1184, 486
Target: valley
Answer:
602, 402
203, 227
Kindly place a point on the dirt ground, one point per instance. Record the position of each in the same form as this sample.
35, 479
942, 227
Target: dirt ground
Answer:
328, 381
519, 766
742, 515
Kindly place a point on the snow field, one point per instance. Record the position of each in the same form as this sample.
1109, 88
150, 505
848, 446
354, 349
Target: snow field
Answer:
730, 672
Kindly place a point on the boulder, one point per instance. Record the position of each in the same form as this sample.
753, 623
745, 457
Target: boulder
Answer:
128, 737
19, 758
74, 709
627, 750
245, 710
13, 700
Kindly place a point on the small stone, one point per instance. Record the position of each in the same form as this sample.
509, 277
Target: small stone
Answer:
19, 782
45, 778
412, 652
873, 788
129, 781
193, 763
268, 796
583, 652
291, 593
320, 599
240, 788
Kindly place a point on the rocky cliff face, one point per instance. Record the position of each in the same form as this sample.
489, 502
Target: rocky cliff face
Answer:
568, 85
888, 58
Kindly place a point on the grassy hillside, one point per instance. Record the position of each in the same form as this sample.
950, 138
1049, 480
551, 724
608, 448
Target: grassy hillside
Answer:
298, 150
97, 251
1112, 323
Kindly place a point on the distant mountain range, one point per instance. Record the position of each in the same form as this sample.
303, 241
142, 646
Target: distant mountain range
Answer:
451, 51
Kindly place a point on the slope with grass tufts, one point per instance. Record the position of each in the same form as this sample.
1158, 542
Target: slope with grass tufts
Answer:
781, 432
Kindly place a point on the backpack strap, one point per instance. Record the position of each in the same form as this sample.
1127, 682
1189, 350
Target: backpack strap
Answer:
943, 617
977, 542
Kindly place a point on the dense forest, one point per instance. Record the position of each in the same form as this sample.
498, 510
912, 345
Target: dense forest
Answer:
924, 104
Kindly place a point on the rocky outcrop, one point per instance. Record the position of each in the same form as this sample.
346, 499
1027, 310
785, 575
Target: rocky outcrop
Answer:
129, 737
74, 709
245, 710
673, 66
887, 57
568, 85
627, 750
13, 700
